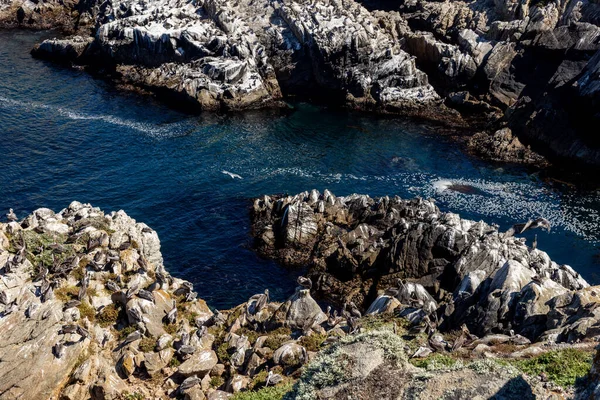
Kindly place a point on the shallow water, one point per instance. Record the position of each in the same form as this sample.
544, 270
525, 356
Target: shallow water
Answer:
67, 136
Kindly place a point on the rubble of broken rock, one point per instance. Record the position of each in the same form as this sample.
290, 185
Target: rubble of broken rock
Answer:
87, 310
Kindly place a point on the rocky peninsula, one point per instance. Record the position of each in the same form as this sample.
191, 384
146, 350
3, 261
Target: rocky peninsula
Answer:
87, 310
521, 73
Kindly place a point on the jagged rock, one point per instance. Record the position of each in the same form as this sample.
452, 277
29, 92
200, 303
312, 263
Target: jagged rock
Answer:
503, 146
39, 330
195, 393
199, 364
155, 362
237, 383
126, 365
491, 275
219, 395
298, 311
63, 50
290, 354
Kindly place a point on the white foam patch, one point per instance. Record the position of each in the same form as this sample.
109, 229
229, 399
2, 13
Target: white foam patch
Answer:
167, 130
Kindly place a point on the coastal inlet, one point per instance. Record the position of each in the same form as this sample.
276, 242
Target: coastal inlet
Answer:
66, 135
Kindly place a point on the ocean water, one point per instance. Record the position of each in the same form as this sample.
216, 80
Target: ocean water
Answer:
66, 136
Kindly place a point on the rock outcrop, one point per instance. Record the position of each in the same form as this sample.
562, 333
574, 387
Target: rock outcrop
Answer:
451, 270
87, 310
528, 66
217, 54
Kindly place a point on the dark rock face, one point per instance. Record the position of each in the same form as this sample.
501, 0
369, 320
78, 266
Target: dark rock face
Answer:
505, 147
355, 246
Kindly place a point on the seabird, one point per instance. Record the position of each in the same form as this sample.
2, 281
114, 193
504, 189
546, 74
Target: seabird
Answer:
58, 349
202, 331
71, 304
422, 352
462, 339
353, 324
354, 310
304, 282
273, 379
530, 224
143, 264
231, 174
191, 296
82, 331
131, 291
112, 286
185, 339
132, 337
171, 316
144, 294
186, 349
70, 328
4, 298
260, 301
11, 216
146, 230
136, 314
189, 383
436, 341
537, 279
534, 244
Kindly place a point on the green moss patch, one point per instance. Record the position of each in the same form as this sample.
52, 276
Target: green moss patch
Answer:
562, 367
267, 393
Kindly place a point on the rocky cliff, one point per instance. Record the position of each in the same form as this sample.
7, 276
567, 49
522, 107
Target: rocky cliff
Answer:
87, 311
527, 66
453, 271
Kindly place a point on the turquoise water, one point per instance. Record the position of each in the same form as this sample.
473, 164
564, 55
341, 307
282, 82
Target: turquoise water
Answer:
66, 136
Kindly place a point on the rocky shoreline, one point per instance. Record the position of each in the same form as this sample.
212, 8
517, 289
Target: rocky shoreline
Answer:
87, 310
488, 66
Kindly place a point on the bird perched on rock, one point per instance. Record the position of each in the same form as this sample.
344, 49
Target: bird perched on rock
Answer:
392, 292
112, 286
58, 349
171, 316
70, 328
135, 314
186, 349
202, 331
82, 332
132, 337
436, 341
273, 379
131, 291
142, 264
354, 311
146, 295
462, 339
305, 282
422, 352
11, 216
71, 304
189, 383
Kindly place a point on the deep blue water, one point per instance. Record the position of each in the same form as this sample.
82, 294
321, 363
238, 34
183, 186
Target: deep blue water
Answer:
66, 136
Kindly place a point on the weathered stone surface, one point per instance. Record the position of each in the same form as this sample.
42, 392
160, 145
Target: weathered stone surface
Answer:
199, 364
290, 354
366, 245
